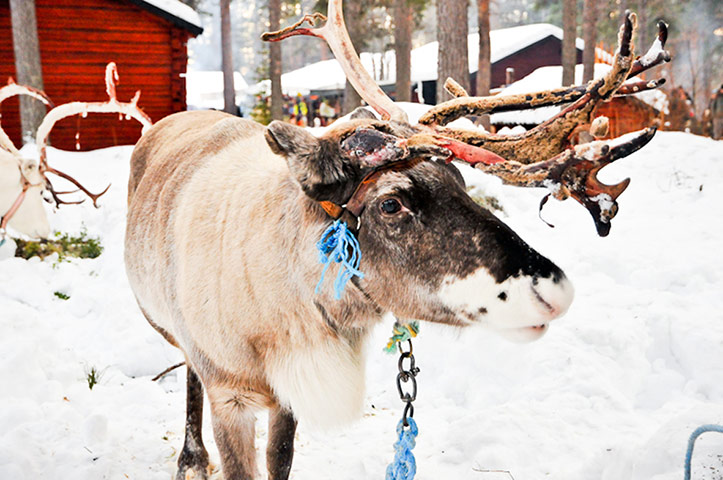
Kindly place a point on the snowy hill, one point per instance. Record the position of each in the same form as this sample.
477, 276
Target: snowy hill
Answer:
611, 392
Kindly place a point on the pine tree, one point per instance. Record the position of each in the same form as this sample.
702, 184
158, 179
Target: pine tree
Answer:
589, 34
27, 63
484, 67
452, 56
569, 35
403, 29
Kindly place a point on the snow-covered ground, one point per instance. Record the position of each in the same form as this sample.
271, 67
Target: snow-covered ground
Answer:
611, 392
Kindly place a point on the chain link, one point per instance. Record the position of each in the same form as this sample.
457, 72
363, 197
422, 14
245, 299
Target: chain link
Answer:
407, 381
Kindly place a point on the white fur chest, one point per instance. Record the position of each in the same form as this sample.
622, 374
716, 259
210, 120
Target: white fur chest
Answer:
323, 384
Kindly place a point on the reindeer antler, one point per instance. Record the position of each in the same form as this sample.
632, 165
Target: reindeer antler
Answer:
129, 110
541, 157
451, 110
335, 34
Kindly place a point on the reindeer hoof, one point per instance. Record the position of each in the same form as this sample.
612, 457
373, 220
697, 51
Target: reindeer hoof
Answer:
194, 466
196, 472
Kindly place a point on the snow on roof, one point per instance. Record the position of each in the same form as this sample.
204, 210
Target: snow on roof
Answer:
180, 13
545, 78
503, 43
204, 90
328, 75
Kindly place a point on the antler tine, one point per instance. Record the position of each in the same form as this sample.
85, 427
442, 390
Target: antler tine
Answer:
335, 34
656, 54
93, 196
454, 88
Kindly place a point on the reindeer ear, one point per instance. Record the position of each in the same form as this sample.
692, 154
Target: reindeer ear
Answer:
285, 139
315, 163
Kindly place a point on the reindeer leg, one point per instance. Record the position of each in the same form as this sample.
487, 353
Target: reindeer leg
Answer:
193, 461
280, 449
234, 429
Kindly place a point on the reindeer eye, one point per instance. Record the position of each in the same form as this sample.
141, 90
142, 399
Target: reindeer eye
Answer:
391, 206
359, 152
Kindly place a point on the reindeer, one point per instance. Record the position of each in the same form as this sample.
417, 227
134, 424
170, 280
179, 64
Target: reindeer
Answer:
23, 181
224, 215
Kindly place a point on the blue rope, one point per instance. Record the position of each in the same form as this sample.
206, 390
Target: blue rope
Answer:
691, 443
404, 467
338, 244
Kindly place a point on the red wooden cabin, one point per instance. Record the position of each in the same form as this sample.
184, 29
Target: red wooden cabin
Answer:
147, 40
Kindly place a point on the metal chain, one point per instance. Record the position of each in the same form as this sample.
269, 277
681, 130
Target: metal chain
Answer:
407, 381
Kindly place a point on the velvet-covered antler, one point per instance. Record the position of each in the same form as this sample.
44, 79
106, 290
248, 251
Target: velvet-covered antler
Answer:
542, 157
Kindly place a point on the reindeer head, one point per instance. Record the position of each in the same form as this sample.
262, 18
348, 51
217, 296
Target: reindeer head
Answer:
21, 186
22, 181
430, 252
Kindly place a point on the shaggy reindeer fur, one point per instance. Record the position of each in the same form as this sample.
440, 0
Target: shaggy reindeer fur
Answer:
220, 251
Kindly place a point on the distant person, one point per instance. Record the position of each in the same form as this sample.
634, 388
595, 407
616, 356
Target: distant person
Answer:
716, 112
326, 112
300, 111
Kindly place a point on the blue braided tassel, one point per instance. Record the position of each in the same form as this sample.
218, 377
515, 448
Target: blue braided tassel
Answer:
338, 244
404, 467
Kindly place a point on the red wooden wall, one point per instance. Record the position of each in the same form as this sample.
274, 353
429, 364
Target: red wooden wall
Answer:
77, 40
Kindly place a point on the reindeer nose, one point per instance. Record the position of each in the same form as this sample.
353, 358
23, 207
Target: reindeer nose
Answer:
554, 292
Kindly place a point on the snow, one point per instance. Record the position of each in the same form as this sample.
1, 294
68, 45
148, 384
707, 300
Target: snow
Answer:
546, 78
328, 75
611, 392
204, 89
178, 9
503, 43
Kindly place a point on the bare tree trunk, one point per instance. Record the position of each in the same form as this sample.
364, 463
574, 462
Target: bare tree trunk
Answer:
229, 92
452, 56
569, 35
589, 28
622, 6
275, 62
484, 67
403, 27
641, 41
353, 14
27, 64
